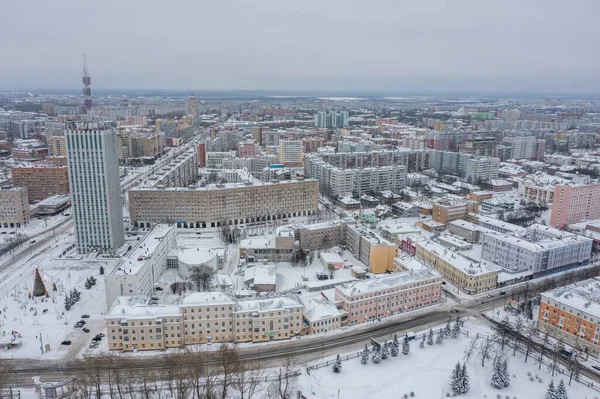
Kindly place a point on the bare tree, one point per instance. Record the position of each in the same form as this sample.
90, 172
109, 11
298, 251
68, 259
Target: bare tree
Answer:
485, 350
247, 379
228, 362
146, 378
531, 333
554, 360
284, 386
544, 344
502, 331
517, 329
202, 275
193, 360
6, 371
574, 366
469, 349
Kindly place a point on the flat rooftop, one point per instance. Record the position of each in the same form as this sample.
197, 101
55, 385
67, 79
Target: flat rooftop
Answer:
387, 282
136, 258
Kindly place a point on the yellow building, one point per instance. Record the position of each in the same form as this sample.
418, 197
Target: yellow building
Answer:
468, 276
57, 146
370, 248
480, 196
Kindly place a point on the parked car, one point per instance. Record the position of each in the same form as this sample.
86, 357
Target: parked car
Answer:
78, 325
66, 342
490, 296
86, 330
82, 322
4, 232
85, 316
596, 367
158, 288
32, 242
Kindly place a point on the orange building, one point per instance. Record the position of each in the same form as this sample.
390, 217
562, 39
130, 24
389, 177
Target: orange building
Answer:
445, 212
571, 314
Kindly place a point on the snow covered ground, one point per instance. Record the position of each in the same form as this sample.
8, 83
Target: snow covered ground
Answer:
426, 372
26, 316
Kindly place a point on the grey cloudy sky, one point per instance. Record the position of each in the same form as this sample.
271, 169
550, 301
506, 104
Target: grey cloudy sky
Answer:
508, 45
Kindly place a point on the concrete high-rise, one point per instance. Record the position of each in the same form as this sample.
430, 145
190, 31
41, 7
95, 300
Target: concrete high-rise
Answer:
575, 203
95, 188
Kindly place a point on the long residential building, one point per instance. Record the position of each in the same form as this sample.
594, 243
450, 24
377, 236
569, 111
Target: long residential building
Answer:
203, 317
571, 315
180, 172
370, 248
465, 274
231, 203
389, 295
41, 180
543, 251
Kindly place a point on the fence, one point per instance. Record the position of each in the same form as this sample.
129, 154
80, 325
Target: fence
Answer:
358, 354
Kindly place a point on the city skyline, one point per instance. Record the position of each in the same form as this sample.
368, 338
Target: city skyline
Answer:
398, 46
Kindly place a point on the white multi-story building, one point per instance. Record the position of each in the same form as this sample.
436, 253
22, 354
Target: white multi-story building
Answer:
543, 250
142, 266
95, 186
521, 147
481, 169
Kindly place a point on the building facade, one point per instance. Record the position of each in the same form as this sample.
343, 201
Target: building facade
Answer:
41, 180
231, 203
573, 204
95, 186
386, 296
14, 207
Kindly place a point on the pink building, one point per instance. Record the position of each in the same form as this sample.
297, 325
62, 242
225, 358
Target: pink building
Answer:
389, 295
573, 204
247, 150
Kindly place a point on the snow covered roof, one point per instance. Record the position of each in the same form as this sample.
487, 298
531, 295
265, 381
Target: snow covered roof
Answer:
207, 298
136, 259
456, 260
583, 296
387, 282
136, 307
263, 305
318, 309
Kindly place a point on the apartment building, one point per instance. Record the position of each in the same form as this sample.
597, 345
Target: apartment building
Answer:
575, 203
14, 207
135, 142
389, 295
214, 160
496, 225
180, 172
57, 146
232, 203
539, 194
142, 266
41, 180
291, 152
571, 315
481, 169
544, 250
444, 212
370, 248
201, 318
465, 274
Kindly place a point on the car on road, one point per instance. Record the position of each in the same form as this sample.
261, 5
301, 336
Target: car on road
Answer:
454, 310
12, 232
85, 316
4, 232
66, 342
489, 296
502, 293
86, 330
596, 367
32, 242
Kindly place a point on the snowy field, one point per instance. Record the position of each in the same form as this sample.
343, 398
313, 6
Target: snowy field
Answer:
426, 372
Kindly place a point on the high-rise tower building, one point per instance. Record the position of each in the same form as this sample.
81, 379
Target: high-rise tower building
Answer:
95, 188
86, 79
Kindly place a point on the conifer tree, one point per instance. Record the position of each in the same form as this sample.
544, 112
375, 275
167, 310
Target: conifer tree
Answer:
551, 392
465, 386
365, 355
405, 346
456, 379
561, 391
430, 337
337, 366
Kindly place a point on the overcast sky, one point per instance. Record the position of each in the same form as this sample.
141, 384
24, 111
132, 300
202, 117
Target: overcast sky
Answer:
430, 45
